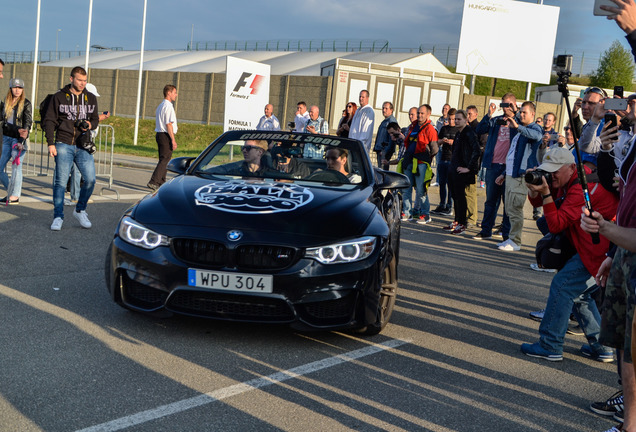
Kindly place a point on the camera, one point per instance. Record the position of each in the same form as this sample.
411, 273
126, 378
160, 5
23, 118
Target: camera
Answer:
501, 121
82, 124
535, 177
291, 125
505, 104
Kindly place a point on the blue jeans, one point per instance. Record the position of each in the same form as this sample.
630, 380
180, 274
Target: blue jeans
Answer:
421, 197
570, 291
16, 170
445, 199
76, 180
67, 155
494, 195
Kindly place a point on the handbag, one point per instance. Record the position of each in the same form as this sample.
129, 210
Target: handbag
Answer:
554, 250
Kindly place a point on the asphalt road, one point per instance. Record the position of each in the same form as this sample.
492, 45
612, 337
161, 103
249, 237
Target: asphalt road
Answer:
70, 359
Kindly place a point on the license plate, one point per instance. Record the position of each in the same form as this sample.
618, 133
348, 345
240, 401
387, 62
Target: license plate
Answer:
225, 281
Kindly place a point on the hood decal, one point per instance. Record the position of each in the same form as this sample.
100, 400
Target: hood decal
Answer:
252, 197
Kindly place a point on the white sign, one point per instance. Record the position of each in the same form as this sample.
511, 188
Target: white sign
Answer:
246, 93
495, 42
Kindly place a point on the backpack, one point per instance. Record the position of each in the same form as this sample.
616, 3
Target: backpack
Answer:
44, 105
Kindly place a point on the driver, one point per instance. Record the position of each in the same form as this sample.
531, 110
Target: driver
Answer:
253, 164
337, 161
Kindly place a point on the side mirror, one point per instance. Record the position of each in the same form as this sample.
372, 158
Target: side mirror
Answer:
180, 165
393, 180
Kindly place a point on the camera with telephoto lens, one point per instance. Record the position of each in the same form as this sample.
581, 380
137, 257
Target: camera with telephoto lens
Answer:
535, 177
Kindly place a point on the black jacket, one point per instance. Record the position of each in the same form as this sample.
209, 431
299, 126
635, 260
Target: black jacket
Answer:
466, 151
64, 110
22, 122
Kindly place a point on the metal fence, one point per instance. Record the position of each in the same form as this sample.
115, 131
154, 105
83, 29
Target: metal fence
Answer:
38, 163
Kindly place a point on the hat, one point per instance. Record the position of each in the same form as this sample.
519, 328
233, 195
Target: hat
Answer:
260, 144
555, 158
16, 82
92, 89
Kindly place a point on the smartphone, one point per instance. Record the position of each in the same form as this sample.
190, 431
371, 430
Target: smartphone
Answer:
105, 113
618, 91
504, 104
600, 12
615, 104
501, 121
610, 119
582, 93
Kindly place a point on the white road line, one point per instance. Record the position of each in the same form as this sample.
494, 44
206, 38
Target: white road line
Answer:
217, 395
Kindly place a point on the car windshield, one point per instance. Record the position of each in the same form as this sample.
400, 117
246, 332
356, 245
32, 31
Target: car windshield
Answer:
291, 157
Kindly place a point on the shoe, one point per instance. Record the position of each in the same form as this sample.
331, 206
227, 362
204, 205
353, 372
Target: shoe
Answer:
481, 236
434, 184
447, 211
11, 202
458, 229
536, 215
574, 329
497, 234
617, 428
604, 356
57, 224
618, 416
535, 350
152, 186
537, 267
537, 315
450, 227
609, 407
438, 210
68, 202
508, 246
423, 220
82, 217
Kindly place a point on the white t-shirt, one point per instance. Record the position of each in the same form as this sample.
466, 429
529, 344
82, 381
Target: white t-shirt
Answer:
301, 121
165, 114
362, 126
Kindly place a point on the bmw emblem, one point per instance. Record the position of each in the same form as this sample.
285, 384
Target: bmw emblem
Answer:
234, 235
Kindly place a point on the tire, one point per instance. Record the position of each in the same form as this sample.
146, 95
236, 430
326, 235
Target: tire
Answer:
386, 304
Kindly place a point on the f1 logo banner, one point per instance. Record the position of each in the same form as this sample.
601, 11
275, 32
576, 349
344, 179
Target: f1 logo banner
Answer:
246, 93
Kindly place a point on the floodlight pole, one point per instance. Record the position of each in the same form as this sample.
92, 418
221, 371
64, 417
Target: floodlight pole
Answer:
141, 68
35, 55
88, 33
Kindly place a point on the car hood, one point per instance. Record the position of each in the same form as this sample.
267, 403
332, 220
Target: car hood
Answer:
256, 205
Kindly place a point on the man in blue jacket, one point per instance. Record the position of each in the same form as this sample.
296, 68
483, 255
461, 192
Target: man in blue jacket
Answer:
494, 161
521, 156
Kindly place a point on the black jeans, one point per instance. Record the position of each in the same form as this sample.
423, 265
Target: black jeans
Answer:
164, 145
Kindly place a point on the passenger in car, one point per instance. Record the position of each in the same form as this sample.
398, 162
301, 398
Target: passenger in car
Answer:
285, 162
337, 159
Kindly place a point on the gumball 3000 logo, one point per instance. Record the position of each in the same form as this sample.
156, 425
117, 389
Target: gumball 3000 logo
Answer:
252, 197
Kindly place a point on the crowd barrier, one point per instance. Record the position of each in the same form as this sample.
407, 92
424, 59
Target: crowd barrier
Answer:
38, 163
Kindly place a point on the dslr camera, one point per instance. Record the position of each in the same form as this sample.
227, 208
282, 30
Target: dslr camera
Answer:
82, 124
85, 139
535, 177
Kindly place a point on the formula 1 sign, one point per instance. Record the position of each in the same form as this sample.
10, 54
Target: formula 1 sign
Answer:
491, 43
246, 93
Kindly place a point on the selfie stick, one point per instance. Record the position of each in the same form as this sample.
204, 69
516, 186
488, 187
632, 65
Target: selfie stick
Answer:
562, 82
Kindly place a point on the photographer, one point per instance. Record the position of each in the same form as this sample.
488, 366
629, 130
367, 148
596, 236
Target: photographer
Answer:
71, 114
555, 183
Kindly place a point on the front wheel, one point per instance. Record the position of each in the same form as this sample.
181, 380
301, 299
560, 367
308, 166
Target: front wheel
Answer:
388, 293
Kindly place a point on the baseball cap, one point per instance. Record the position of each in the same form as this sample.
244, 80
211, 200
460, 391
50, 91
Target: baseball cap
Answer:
92, 89
555, 158
16, 82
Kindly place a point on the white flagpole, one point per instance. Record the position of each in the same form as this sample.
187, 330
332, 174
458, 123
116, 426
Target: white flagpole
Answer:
141, 68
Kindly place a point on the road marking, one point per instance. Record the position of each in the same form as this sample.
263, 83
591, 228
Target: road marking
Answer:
257, 383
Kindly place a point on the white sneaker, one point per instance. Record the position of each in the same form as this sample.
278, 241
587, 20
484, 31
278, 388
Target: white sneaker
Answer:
68, 202
82, 217
509, 246
57, 224
535, 267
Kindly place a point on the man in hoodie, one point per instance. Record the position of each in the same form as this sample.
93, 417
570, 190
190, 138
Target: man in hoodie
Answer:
71, 114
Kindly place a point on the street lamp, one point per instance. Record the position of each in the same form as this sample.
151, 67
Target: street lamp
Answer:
57, 34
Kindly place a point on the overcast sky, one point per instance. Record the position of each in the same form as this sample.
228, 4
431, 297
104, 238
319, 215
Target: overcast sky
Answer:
403, 23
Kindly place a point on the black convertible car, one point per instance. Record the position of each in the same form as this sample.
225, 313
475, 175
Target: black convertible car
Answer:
267, 227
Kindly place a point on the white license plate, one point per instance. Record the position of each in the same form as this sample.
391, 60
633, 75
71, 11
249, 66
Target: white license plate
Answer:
238, 282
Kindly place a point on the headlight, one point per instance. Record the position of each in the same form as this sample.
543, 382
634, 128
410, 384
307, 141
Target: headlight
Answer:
138, 235
351, 251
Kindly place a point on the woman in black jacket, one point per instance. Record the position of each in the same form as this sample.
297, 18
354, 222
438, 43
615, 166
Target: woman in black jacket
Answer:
17, 117
463, 169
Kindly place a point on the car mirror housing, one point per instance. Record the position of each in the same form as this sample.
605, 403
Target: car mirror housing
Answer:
179, 165
393, 180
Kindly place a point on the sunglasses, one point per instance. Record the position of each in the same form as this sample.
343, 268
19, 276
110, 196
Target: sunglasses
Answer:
596, 90
247, 148
349, 106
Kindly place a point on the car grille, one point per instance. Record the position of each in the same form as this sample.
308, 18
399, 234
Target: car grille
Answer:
332, 312
245, 257
140, 295
229, 306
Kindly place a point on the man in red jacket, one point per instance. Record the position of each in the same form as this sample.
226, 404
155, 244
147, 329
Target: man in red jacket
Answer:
572, 286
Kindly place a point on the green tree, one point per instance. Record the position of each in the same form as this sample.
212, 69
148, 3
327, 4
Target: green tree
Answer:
616, 68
